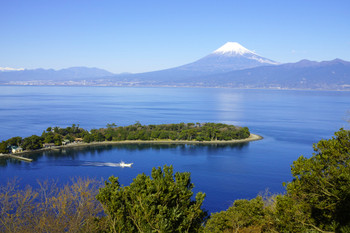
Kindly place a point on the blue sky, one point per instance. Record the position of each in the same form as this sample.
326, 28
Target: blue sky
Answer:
137, 36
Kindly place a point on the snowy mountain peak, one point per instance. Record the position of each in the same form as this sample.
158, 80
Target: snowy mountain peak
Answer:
10, 69
232, 49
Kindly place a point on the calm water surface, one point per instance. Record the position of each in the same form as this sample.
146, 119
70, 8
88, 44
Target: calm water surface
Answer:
289, 121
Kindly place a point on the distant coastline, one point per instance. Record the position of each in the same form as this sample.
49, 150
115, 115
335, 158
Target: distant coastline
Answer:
31, 84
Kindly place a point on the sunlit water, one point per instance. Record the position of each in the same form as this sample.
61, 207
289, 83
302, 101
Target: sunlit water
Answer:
289, 121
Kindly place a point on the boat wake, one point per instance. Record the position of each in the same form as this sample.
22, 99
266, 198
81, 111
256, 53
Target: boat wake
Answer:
102, 164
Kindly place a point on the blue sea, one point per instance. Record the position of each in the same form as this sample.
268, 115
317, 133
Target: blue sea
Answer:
289, 121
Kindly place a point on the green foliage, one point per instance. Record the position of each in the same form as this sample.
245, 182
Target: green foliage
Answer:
113, 125
98, 137
243, 216
57, 139
88, 138
15, 141
3, 148
317, 200
290, 215
69, 137
48, 137
322, 182
160, 203
32, 143
182, 131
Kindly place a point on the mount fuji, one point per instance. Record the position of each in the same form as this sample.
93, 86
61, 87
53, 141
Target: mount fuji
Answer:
231, 56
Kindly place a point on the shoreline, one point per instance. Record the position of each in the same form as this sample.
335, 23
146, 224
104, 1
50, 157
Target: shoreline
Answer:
252, 137
175, 86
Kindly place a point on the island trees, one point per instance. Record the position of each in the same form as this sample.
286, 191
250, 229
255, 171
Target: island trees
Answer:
160, 203
32, 143
182, 131
3, 148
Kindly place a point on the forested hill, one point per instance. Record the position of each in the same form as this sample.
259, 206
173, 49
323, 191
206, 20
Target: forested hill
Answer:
55, 136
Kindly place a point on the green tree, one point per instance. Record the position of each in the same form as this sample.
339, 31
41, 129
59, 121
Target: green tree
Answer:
88, 138
3, 148
98, 137
108, 137
244, 214
113, 125
155, 134
322, 183
160, 203
69, 137
57, 140
164, 134
243, 133
15, 141
292, 215
32, 143
49, 138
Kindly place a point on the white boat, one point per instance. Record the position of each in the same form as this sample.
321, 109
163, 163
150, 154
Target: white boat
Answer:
122, 164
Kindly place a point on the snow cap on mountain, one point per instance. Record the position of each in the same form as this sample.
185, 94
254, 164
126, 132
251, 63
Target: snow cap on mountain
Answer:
232, 49
10, 69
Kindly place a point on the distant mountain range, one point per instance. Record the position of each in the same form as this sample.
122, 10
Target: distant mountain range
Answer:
305, 74
73, 73
231, 65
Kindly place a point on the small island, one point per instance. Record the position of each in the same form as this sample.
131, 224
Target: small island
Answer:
55, 137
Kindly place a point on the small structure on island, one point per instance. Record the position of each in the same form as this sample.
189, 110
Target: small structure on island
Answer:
48, 145
78, 140
16, 149
65, 142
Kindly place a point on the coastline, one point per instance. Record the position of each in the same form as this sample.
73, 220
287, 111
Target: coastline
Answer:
252, 137
175, 86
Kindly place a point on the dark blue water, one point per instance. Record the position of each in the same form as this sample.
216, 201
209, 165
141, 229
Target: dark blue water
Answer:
289, 121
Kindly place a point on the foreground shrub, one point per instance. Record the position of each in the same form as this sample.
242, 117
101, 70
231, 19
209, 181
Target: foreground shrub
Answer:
321, 184
243, 216
71, 208
160, 203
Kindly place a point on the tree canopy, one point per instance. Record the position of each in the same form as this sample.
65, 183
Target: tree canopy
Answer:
160, 203
181, 131
316, 200
322, 183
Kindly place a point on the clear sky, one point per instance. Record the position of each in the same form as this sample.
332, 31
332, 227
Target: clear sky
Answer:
137, 36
